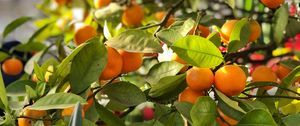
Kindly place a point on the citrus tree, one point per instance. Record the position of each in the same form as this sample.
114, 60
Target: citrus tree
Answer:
155, 62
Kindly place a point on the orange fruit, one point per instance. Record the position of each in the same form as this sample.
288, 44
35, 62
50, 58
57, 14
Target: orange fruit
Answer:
263, 73
189, 95
84, 33
161, 14
199, 79
230, 80
226, 118
12, 66
131, 61
272, 3
69, 112
101, 3
114, 64
33, 113
176, 58
255, 30
24, 122
201, 30
133, 15
221, 122
226, 30
90, 102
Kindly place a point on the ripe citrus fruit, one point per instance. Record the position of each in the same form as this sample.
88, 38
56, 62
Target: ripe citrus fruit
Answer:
33, 113
255, 30
131, 61
101, 3
161, 14
199, 79
264, 74
189, 95
62, 2
272, 3
12, 66
69, 112
24, 122
201, 30
90, 102
176, 58
226, 118
84, 33
114, 64
133, 15
221, 122
230, 80
226, 30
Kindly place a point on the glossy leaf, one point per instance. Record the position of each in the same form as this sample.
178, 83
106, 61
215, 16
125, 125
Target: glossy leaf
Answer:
204, 112
108, 117
248, 105
239, 36
257, 117
125, 93
17, 88
168, 87
14, 25
198, 51
163, 69
176, 31
57, 101
37, 33
29, 66
184, 108
291, 120
3, 96
280, 20
87, 65
135, 41
215, 38
76, 118
3, 56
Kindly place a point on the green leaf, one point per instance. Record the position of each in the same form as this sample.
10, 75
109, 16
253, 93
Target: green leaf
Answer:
291, 64
293, 27
280, 20
239, 36
87, 65
39, 72
14, 24
3, 56
41, 88
76, 118
248, 105
135, 41
31, 93
125, 93
257, 117
176, 31
163, 69
231, 3
229, 107
37, 33
204, 112
57, 101
184, 108
63, 68
215, 38
198, 51
3, 96
108, 117
291, 120
29, 66
168, 87
17, 88
29, 47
